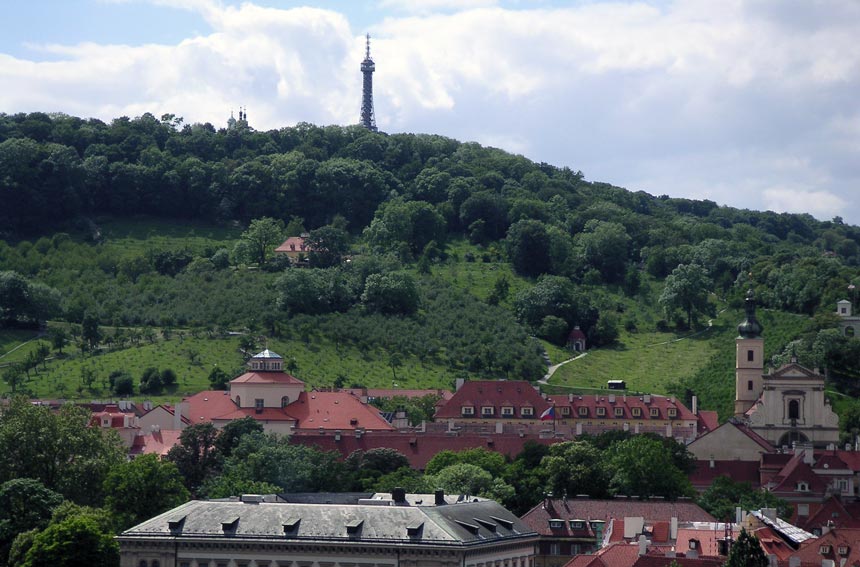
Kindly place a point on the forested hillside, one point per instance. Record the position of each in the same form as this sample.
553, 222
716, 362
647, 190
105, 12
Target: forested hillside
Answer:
455, 252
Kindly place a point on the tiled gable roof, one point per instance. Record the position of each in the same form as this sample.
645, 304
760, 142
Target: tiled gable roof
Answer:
495, 394
587, 509
155, 443
833, 512
707, 472
266, 377
609, 402
292, 244
828, 545
335, 410
794, 472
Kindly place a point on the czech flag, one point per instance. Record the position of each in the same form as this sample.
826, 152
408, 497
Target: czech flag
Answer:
548, 413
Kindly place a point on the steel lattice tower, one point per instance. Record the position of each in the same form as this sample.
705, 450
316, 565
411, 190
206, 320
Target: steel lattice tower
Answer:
367, 68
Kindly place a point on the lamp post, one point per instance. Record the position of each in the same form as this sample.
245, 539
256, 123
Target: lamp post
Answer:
851, 288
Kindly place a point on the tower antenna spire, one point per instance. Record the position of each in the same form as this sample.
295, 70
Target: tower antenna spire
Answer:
368, 120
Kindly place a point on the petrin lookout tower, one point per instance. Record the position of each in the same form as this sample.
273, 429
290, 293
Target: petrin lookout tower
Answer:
367, 69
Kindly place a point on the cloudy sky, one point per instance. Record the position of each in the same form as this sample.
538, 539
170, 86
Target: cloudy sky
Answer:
750, 103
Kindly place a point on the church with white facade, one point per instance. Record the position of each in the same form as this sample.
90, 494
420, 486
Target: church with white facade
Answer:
785, 406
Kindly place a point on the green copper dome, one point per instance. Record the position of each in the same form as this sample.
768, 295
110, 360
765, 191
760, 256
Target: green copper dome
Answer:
750, 328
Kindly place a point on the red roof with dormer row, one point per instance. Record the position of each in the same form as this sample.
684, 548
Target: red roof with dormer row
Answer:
589, 509
496, 394
629, 405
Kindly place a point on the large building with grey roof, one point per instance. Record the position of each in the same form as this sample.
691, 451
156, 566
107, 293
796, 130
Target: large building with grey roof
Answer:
373, 532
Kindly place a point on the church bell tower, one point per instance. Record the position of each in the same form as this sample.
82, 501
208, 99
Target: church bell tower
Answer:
749, 360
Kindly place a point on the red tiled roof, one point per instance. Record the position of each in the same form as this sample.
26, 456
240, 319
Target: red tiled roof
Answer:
292, 244
833, 512
266, 377
494, 393
157, 443
739, 471
418, 448
664, 560
796, 471
708, 421
576, 334
587, 509
335, 410
846, 538
627, 402
209, 405
707, 539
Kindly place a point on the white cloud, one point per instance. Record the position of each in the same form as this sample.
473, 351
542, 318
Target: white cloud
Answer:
821, 204
749, 103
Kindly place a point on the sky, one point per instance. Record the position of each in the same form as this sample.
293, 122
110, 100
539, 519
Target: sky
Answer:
749, 103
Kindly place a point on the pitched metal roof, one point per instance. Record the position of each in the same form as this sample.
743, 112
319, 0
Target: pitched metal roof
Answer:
457, 524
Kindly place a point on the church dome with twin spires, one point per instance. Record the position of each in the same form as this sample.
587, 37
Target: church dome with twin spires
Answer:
750, 328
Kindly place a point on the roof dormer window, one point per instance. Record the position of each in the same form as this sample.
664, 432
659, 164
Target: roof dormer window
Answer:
467, 410
583, 411
487, 410
672, 412
802, 486
527, 411
556, 524
601, 412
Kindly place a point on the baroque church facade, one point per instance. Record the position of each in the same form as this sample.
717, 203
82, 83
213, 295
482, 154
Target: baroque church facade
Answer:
785, 406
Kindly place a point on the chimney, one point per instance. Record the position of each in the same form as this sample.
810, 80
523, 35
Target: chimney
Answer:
399, 496
673, 528
459, 384
695, 405
646, 398
808, 456
643, 545
177, 416
570, 398
440, 497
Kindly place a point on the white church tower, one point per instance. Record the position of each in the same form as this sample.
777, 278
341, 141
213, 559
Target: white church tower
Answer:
749, 360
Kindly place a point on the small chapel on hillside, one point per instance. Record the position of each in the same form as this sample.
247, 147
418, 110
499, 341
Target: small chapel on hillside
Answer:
785, 406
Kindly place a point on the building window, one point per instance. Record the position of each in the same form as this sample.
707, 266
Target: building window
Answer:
565, 410
750, 355
793, 409
655, 412
749, 385
576, 525
468, 410
258, 403
554, 549
556, 524
843, 550
824, 549
619, 412
601, 412
507, 411
184, 564
142, 563
583, 411
285, 401
528, 411
672, 412
636, 412
488, 410
155, 563
843, 485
